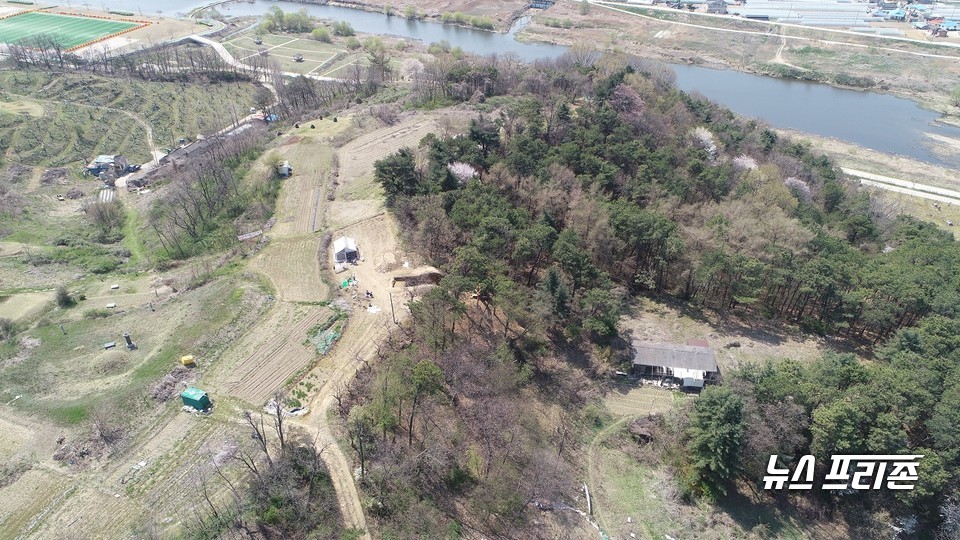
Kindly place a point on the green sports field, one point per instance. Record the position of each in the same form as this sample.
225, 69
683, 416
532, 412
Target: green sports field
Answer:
71, 31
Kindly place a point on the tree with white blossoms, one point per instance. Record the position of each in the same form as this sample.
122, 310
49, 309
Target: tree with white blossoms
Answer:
704, 139
744, 162
462, 171
799, 188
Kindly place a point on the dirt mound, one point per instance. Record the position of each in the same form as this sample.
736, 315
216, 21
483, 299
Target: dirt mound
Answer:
171, 383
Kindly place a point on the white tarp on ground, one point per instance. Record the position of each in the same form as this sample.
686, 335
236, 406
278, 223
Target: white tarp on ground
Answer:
344, 249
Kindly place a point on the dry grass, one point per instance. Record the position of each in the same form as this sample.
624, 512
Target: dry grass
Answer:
24, 107
674, 322
20, 306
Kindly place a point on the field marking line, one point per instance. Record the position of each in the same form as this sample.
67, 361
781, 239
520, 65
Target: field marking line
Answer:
271, 48
327, 74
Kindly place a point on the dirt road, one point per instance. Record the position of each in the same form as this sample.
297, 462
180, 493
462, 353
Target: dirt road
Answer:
314, 200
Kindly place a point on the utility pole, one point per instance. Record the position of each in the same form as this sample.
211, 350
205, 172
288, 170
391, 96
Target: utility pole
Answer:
392, 313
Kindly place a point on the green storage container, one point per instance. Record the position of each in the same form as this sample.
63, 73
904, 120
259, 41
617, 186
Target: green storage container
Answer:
196, 398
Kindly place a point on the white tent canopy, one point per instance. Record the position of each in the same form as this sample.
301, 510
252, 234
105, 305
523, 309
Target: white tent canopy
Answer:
345, 250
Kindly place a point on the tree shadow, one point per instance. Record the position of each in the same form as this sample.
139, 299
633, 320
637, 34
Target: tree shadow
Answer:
750, 515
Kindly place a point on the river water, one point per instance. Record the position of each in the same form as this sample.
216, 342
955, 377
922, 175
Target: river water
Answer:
877, 121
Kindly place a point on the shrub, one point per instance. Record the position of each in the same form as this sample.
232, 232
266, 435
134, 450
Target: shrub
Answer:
410, 12
64, 299
855, 81
484, 23
454, 18
321, 34
352, 43
343, 28
7, 329
97, 313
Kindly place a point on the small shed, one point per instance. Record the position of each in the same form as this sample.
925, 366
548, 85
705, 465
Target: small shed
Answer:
196, 398
345, 250
284, 169
692, 364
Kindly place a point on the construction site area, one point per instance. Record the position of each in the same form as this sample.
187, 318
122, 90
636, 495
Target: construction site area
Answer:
287, 323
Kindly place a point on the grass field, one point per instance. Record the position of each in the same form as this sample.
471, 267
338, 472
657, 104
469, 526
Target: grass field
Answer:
324, 59
70, 31
319, 59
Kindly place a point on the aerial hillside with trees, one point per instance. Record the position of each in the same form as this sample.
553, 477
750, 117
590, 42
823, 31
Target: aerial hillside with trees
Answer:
592, 181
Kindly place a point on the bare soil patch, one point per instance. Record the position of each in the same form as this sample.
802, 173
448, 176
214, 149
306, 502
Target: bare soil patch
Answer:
635, 400
25, 107
736, 341
27, 501
279, 356
20, 306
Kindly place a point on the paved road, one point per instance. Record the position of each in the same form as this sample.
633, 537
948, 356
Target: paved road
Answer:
774, 25
896, 185
228, 58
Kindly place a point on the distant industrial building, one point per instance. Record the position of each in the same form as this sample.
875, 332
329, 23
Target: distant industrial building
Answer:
805, 12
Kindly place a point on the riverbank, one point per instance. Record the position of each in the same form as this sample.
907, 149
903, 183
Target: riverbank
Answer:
760, 48
857, 157
851, 156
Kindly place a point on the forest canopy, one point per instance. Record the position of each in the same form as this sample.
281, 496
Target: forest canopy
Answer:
596, 181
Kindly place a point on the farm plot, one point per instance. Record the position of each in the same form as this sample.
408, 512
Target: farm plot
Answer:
90, 105
32, 497
12, 438
278, 352
293, 266
631, 400
299, 209
68, 373
22, 107
359, 196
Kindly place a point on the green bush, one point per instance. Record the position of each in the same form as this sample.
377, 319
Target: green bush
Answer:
855, 81
321, 34
557, 23
7, 329
352, 43
96, 313
483, 23
64, 299
454, 18
343, 28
